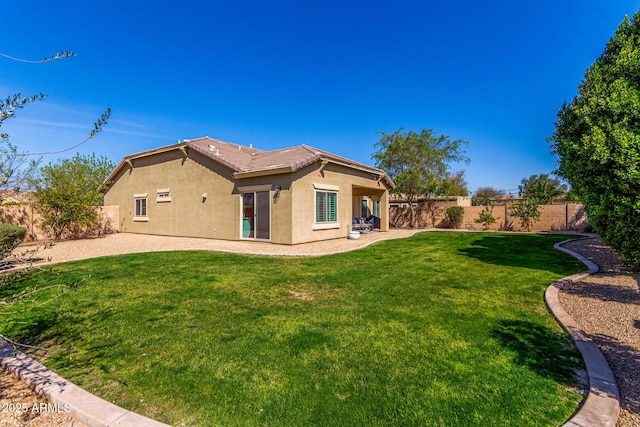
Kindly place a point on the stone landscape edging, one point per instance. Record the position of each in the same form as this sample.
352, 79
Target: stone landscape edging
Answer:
67, 397
602, 406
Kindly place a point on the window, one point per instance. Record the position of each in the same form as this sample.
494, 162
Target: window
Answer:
376, 208
326, 206
164, 195
364, 208
140, 211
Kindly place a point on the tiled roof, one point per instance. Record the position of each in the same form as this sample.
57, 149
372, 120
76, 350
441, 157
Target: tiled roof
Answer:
234, 156
250, 160
246, 161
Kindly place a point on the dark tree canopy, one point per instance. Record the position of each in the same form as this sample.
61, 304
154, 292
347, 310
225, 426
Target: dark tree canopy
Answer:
597, 138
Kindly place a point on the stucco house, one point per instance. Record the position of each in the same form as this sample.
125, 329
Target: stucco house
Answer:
209, 188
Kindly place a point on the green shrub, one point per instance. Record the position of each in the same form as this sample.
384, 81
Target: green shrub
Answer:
455, 214
597, 139
10, 237
485, 217
527, 211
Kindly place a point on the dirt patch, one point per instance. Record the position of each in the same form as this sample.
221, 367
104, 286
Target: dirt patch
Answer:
301, 295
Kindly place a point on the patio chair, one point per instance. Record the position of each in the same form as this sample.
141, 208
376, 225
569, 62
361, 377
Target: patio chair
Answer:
361, 225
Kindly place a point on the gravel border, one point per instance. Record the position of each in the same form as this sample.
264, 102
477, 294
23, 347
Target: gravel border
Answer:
607, 307
602, 405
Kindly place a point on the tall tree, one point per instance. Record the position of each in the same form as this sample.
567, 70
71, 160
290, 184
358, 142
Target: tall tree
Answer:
419, 163
597, 138
542, 188
67, 194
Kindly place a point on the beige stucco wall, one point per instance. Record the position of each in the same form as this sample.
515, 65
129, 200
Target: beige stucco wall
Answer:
187, 213
349, 183
219, 214
280, 207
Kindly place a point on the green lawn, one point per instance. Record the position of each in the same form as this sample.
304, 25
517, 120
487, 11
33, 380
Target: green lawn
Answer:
441, 329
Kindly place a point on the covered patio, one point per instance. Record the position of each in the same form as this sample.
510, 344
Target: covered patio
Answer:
370, 206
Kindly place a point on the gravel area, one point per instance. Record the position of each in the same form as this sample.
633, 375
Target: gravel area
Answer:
116, 244
606, 305
21, 407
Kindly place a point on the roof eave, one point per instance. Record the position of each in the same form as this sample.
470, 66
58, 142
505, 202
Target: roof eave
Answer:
382, 175
263, 172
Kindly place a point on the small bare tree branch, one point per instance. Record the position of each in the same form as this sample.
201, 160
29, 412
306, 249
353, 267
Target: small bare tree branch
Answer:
8, 106
15, 344
97, 127
54, 57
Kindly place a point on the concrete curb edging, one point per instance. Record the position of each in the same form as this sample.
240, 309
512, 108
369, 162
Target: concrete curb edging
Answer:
602, 405
67, 397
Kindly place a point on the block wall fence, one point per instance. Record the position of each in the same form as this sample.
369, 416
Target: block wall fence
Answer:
567, 217
25, 216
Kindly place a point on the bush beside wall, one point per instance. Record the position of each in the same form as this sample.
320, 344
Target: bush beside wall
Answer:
10, 237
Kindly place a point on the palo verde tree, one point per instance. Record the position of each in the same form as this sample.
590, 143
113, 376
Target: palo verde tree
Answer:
419, 163
597, 139
535, 191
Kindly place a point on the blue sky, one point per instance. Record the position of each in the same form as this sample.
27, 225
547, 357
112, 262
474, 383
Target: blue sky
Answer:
328, 74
